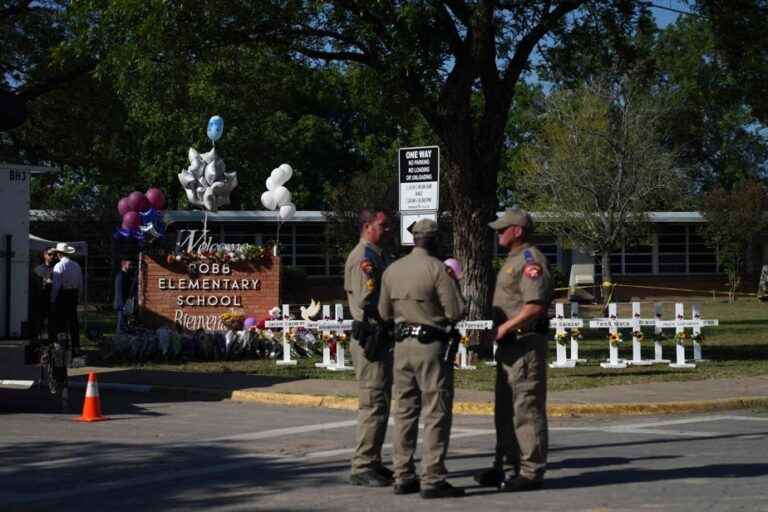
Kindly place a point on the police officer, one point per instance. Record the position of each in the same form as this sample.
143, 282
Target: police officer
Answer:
520, 302
423, 300
362, 279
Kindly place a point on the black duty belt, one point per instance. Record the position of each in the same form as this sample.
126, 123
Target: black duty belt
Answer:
424, 333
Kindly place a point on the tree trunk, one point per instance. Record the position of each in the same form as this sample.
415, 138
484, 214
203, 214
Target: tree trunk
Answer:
472, 186
605, 291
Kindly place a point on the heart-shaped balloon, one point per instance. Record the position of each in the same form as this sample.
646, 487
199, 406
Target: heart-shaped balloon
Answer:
287, 171
268, 200
282, 196
287, 211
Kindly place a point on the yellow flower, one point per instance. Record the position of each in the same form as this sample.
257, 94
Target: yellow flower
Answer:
370, 284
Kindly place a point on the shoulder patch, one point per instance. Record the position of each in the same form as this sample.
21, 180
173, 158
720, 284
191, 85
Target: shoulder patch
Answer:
528, 255
532, 270
367, 266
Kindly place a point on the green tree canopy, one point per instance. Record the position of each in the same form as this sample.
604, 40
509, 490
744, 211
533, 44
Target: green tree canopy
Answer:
597, 166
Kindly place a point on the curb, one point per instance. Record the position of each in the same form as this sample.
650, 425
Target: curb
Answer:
459, 408
487, 409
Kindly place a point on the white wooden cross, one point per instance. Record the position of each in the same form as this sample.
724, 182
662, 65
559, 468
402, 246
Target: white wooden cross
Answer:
574, 335
324, 335
658, 334
285, 324
342, 327
679, 323
463, 327
637, 335
560, 323
698, 324
612, 323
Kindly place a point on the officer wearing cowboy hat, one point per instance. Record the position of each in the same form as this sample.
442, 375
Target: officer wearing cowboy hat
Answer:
423, 300
520, 302
67, 282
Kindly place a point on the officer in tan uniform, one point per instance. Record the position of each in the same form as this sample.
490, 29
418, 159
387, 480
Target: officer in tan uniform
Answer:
423, 300
362, 280
520, 302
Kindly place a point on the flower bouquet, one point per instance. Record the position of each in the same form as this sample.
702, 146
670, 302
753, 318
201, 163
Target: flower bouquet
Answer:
233, 320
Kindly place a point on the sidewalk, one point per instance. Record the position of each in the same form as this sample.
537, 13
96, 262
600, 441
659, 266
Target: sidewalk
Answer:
653, 398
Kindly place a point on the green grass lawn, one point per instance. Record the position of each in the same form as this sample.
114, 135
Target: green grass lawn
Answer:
737, 348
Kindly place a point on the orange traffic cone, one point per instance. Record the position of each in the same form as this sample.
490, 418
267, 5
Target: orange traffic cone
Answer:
92, 404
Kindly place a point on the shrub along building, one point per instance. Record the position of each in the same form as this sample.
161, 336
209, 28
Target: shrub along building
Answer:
674, 255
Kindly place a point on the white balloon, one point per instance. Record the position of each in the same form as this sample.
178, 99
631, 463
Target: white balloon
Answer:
277, 177
271, 185
287, 171
268, 200
282, 195
287, 211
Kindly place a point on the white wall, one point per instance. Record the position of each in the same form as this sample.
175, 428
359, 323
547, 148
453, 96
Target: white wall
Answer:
14, 220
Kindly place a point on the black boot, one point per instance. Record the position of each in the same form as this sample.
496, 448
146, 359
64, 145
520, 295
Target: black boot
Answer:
369, 478
410, 486
442, 490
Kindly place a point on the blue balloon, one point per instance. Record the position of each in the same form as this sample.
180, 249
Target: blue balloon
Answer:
215, 128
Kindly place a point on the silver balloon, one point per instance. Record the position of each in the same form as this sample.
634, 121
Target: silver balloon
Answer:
206, 182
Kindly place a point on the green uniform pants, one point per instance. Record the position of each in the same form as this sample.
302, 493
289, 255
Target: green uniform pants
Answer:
521, 401
422, 381
375, 392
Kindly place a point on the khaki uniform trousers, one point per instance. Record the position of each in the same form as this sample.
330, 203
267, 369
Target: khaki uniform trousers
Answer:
521, 400
422, 380
375, 392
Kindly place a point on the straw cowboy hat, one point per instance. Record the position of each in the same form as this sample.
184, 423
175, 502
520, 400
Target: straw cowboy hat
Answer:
63, 248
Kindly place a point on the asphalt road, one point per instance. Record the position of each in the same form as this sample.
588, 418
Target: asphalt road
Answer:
162, 454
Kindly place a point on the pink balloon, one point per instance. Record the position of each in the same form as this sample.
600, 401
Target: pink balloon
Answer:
131, 220
156, 198
123, 206
138, 202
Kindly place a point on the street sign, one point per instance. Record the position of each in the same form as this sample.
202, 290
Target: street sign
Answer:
419, 179
406, 219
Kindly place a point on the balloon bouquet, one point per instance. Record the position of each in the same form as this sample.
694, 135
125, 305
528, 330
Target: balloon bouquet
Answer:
205, 181
278, 197
142, 216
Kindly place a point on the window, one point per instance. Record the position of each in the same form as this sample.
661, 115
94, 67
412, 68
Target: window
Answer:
683, 251
632, 260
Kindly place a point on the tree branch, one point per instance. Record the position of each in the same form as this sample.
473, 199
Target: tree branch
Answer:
51, 83
517, 63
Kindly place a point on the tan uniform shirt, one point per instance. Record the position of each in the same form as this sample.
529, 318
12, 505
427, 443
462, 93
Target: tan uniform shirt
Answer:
417, 289
362, 277
524, 278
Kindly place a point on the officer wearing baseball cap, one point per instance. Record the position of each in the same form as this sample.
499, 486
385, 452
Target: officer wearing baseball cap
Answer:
420, 296
520, 302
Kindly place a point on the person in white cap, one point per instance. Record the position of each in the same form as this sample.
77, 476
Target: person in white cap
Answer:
67, 283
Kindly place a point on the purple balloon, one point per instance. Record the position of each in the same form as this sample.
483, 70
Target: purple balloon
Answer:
123, 206
138, 202
131, 221
250, 322
156, 198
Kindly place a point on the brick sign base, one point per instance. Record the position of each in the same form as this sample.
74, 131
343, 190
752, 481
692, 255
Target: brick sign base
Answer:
192, 297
